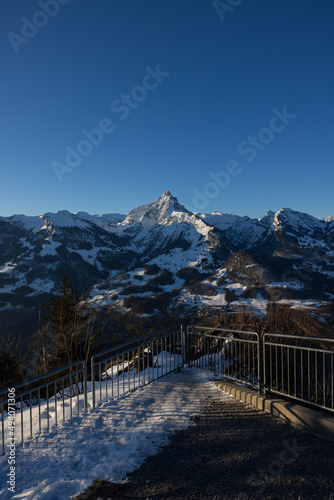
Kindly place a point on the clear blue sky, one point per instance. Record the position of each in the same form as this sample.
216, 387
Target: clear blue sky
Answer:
210, 110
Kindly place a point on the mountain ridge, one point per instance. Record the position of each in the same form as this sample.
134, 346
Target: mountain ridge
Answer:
213, 260
166, 195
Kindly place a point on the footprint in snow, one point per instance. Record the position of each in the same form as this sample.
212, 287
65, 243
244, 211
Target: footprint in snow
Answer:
149, 401
82, 404
46, 415
99, 422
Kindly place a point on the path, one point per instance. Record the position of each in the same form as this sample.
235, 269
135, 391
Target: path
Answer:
233, 452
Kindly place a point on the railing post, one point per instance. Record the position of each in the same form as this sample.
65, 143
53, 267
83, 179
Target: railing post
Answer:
184, 346
259, 355
85, 386
264, 365
92, 374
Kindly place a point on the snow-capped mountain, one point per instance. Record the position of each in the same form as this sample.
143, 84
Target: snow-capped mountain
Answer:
161, 255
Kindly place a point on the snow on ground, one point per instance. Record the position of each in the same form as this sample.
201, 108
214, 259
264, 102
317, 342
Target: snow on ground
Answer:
294, 285
258, 305
108, 442
41, 285
50, 248
9, 266
35, 418
301, 304
214, 301
238, 288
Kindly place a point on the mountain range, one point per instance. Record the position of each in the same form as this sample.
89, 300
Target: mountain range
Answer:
160, 256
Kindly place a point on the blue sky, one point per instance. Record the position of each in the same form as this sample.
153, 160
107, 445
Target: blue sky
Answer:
229, 105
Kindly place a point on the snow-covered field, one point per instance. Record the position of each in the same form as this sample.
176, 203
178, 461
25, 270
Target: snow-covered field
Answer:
108, 442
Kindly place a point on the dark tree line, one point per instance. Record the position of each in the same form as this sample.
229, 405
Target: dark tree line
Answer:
67, 333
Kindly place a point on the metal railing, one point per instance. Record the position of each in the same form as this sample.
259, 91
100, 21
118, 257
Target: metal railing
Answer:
136, 363
299, 367
234, 354
33, 399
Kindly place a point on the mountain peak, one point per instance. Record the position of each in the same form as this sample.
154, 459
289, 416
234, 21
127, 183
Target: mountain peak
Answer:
167, 197
156, 211
63, 218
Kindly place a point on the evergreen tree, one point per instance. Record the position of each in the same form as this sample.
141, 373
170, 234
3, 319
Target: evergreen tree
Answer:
70, 332
12, 361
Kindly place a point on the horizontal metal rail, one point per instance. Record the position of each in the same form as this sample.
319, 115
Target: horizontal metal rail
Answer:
135, 363
299, 367
235, 354
32, 401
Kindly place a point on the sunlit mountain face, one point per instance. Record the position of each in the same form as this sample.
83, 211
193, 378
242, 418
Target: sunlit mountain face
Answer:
161, 256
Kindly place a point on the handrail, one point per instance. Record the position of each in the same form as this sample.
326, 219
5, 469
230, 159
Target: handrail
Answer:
292, 373
298, 337
41, 377
121, 351
80, 368
135, 340
256, 341
224, 329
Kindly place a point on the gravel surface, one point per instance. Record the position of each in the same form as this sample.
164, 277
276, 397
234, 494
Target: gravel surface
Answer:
232, 452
